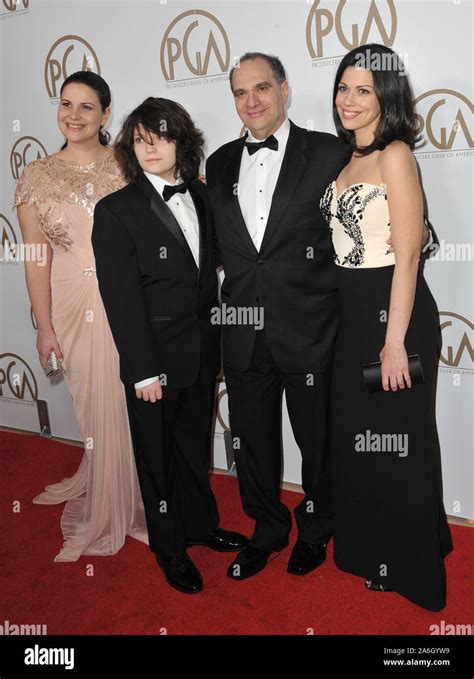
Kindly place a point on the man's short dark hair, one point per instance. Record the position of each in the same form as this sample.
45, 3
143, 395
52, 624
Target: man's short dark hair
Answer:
274, 63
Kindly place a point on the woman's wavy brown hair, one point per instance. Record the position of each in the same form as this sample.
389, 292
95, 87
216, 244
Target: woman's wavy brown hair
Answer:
167, 119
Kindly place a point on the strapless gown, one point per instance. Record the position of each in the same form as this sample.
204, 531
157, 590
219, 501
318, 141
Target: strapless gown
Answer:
389, 520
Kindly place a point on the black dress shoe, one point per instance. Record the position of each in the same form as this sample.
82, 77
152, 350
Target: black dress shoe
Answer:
376, 586
251, 560
305, 556
221, 540
181, 573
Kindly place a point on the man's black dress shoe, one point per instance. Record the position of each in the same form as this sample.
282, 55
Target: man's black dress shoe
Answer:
221, 540
181, 573
305, 557
251, 560
376, 586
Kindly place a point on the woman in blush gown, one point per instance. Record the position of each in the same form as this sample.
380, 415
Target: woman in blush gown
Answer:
390, 525
55, 198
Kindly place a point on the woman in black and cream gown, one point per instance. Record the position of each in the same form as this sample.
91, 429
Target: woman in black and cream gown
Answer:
389, 520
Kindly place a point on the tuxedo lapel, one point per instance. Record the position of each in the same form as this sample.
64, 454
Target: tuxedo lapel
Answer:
294, 164
164, 214
230, 191
195, 189
158, 206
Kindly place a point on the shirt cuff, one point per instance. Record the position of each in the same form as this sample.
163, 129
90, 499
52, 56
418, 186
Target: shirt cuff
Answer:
145, 383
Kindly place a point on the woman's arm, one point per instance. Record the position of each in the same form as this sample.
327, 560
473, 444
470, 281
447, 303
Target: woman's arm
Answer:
38, 283
405, 203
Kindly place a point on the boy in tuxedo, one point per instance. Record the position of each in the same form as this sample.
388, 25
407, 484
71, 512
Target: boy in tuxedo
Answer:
157, 277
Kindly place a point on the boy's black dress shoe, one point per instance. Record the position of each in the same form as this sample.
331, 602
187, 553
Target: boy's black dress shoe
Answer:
221, 540
305, 556
181, 573
251, 560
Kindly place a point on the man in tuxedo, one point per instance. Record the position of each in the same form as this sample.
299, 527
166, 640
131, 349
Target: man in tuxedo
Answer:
155, 265
277, 256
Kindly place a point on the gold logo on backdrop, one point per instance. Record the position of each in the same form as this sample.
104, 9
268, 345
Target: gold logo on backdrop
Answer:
457, 350
13, 5
7, 233
68, 54
194, 43
322, 22
17, 379
24, 151
446, 118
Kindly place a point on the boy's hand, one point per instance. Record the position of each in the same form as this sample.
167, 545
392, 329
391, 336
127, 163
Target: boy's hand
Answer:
152, 392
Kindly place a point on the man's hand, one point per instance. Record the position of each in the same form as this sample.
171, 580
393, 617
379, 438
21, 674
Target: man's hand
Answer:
426, 235
152, 392
424, 240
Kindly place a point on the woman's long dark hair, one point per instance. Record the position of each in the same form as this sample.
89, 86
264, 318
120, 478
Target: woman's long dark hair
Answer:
167, 119
394, 94
100, 87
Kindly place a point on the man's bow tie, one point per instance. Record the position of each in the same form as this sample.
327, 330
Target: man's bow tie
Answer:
169, 191
270, 143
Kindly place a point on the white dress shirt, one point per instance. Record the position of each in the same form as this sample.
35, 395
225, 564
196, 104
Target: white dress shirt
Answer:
257, 180
182, 207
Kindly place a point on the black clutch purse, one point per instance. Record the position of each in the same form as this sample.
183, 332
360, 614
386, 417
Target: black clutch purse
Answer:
373, 373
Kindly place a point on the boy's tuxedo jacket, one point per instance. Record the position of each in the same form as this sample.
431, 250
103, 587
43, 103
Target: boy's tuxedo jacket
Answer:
157, 301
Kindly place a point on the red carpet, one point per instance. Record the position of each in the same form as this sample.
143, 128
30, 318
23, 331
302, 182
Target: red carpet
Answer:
128, 595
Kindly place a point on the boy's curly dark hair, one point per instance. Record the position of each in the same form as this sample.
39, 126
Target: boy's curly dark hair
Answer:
167, 119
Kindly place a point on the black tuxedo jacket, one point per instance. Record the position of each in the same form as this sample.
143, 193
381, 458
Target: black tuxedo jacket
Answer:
157, 301
293, 276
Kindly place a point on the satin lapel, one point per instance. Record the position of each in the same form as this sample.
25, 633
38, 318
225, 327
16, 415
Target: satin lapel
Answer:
164, 214
229, 192
202, 215
161, 210
294, 164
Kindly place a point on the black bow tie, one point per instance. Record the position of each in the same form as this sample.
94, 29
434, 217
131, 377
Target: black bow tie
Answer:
169, 191
270, 143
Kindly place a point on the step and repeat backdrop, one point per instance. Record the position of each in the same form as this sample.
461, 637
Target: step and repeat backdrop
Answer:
184, 51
